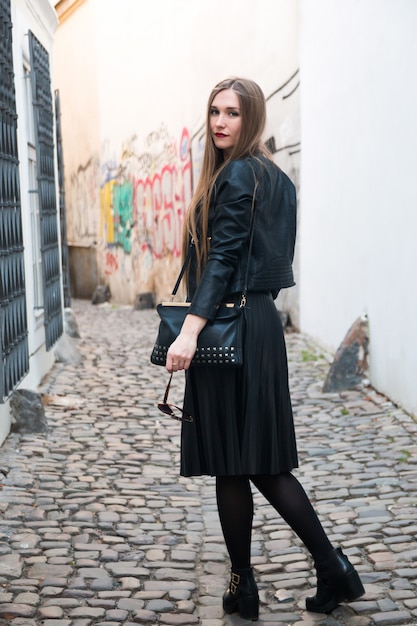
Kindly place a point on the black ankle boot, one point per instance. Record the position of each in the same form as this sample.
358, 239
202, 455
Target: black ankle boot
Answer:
337, 581
242, 595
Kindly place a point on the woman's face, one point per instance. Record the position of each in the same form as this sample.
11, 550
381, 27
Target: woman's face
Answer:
225, 120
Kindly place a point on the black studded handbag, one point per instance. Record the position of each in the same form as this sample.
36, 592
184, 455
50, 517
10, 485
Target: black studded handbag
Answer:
219, 343
221, 340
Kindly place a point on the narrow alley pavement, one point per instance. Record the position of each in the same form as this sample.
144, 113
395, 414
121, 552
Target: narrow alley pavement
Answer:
97, 528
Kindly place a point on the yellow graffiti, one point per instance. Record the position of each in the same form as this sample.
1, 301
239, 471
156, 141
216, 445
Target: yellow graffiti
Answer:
106, 212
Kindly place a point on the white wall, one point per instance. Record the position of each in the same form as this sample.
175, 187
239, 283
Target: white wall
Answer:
160, 60
359, 133
156, 65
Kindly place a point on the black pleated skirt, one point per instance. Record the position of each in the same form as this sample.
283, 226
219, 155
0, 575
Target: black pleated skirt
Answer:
243, 422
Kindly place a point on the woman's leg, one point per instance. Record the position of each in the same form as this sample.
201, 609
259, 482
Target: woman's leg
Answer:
337, 579
288, 497
235, 505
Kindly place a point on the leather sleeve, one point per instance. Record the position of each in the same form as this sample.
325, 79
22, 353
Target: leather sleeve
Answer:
230, 217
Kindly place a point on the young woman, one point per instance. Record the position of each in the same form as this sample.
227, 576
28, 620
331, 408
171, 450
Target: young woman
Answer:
243, 428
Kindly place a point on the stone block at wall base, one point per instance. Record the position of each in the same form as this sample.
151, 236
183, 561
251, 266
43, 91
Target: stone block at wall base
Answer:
66, 350
144, 301
101, 294
350, 361
70, 323
28, 414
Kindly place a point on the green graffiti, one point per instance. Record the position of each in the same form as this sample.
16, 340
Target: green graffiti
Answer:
122, 215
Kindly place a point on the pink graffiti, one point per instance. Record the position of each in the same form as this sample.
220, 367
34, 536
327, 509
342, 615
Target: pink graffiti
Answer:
111, 264
185, 145
150, 208
160, 202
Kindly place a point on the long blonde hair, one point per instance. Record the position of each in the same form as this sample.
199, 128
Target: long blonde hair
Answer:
253, 114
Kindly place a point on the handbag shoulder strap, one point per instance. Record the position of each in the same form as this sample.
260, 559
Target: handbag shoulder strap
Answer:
252, 228
182, 271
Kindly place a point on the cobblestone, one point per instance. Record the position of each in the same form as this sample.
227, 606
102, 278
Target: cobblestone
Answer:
98, 529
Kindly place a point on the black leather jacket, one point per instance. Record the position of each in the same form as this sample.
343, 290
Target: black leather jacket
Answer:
270, 267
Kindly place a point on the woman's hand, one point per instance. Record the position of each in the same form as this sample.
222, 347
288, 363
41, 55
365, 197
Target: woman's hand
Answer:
182, 350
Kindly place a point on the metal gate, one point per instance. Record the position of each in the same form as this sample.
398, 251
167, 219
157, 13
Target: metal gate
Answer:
44, 135
14, 335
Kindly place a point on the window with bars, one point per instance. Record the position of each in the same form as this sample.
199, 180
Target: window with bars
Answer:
13, 320
14, 363
46, 190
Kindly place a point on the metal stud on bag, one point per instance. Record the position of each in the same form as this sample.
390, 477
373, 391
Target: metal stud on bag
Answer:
209, 356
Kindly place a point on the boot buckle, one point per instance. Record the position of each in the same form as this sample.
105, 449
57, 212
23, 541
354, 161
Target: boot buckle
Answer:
234, 583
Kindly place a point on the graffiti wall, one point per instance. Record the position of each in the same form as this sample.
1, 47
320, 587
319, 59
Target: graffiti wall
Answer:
131, 208
82, 197
143, 197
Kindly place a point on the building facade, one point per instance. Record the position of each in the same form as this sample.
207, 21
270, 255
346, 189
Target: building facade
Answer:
31, 286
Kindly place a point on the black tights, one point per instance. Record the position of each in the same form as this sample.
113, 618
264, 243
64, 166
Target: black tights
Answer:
285, 494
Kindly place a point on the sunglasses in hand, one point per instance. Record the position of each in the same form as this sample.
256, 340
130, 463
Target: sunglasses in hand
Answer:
171, 409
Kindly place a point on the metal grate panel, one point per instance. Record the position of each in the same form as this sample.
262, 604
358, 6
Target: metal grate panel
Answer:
13, 319
62, 206
44, 133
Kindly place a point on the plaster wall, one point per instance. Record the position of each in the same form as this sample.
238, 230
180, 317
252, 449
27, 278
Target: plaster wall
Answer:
359, 131
75, 73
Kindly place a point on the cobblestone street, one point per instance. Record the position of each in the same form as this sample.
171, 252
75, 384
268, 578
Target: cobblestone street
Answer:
97, 527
